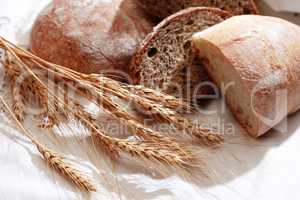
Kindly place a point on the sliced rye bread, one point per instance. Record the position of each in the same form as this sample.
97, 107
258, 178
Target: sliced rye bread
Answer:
164, 8
166, 59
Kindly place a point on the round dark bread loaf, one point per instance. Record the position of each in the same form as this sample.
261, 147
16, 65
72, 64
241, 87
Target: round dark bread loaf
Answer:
90, 35
165, 59
164, 8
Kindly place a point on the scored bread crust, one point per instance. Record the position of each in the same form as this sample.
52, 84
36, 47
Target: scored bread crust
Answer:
150, 72
164, 8
90, 36
261, 59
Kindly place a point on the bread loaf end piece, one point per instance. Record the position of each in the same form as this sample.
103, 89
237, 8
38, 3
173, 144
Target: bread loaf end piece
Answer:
165, 59
256, 62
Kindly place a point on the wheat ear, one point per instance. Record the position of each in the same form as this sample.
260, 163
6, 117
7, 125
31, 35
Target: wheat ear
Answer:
125, 117
185, 155
167, 152
205, 136
160, 112
131, 121
53, 159
31, 86
58, 162
161, 152
129, 92
136, 148
163, 114
17, 97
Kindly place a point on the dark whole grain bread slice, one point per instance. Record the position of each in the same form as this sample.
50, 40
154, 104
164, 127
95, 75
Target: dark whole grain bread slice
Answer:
166, 59
164, 8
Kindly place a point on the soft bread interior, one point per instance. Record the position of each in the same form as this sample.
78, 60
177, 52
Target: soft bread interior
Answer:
228, 80
166, 59
261, 55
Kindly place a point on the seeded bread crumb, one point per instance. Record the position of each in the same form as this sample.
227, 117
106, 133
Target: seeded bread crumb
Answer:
165, 60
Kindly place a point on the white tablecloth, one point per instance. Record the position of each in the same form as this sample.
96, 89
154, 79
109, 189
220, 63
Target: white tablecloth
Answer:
245, 168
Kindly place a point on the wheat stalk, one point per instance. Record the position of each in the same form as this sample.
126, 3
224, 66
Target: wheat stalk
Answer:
130, 92
17, 98
161, 113
169, 153
162, 151
25, 59
58, 162
124, 117
136, 148
31, 86
54, 160
206, 136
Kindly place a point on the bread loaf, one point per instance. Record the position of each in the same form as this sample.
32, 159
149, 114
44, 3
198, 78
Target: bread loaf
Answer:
164, 8
165, 59
90, 35
257, 60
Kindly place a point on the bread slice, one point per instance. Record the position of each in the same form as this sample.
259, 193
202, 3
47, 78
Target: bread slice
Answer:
164, 8
258, 64
165, 60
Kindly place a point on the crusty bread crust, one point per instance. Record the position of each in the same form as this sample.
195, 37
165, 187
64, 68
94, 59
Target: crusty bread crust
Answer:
90, 36
262, 57
165, 8
138, 62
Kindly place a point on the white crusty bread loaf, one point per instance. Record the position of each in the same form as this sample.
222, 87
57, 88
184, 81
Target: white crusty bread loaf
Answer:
260, 57
165, 58
164, 8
